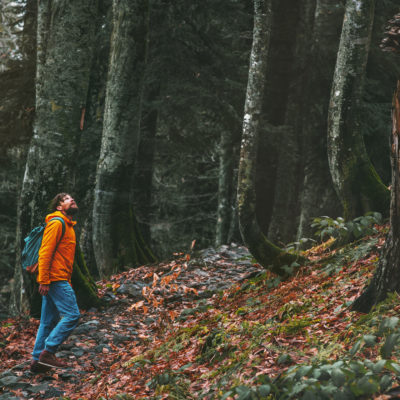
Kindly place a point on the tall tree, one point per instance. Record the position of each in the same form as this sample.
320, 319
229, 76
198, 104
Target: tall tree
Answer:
387, 275
65, 31
298, 24
265, 252
16, 117
89, 146
318, 196
117, 241
357, 184
225, 183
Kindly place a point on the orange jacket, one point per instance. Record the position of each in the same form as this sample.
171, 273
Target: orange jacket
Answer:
55, 262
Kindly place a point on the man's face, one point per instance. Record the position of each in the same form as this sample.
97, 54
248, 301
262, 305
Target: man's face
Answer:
68, 205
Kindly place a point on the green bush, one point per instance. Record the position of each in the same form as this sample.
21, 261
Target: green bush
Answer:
345, 379
338, 228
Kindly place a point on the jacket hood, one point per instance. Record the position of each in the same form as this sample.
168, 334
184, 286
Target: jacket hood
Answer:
60, 214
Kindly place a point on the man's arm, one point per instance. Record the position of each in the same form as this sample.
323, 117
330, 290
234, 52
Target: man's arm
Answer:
51, 236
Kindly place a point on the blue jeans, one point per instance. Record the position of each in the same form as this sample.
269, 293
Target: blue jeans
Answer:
59, 316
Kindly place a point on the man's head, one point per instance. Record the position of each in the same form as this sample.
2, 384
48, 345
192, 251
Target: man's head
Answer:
65, 203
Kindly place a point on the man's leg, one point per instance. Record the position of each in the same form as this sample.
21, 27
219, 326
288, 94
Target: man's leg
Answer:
63, 297
48, 319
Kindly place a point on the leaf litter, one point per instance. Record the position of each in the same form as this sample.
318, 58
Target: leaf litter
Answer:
194, 327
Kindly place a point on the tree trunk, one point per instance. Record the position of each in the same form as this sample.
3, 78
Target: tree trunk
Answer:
318, 196
285, 213
260, 247
356, 182
17, 89
90, 141
225, 180
117, 241
387, 275
143, 188
234, 231
65, 32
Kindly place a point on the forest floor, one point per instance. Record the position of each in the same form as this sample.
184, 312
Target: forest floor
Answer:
215, 325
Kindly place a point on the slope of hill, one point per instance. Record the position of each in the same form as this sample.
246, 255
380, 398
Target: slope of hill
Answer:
219, 327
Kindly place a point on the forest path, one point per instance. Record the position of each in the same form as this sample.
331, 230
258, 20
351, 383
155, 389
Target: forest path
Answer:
140, 301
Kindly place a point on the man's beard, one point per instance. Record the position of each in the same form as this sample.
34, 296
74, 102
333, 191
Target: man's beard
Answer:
72, 211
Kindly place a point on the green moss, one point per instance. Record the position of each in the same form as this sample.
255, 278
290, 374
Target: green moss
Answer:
83, 283
364, 191
292, 308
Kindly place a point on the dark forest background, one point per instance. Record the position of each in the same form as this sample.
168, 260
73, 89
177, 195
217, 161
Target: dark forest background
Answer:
144, 100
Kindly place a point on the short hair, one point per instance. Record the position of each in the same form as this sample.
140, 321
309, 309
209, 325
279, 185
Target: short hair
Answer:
55, 202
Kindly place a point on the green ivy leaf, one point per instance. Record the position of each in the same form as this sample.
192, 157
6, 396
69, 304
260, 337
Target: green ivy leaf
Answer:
365, 385
284, 359
385, 382
388, 324
303, 371
378, 366
226, 395
387, 348
370, 340
392, 366
308, 395
328, 390
357, 346
338, 377
243, 392
342, 395
264, 390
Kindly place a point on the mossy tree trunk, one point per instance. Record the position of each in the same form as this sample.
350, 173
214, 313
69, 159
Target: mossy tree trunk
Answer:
357, 184
265, 252
387, 275
65, 32
117, 241
83, 283
318, 196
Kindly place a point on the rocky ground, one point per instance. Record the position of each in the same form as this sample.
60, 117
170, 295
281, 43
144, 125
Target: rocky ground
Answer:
129, 317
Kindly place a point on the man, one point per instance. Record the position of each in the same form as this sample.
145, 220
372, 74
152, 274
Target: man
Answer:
60, 312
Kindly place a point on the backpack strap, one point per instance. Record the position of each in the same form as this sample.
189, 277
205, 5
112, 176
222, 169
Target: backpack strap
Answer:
63, 229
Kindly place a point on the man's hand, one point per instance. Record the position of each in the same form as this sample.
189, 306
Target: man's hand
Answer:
44, 289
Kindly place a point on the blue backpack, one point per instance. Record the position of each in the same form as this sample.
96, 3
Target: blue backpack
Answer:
30, 253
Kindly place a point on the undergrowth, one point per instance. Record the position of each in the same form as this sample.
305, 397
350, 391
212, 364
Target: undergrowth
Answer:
268, 339
294, 339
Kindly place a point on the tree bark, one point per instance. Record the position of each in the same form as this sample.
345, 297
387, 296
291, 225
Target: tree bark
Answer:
357, 184
142, 193
285, 213
225, 180
117, 241
318, 196
387, 275
65, 32
90, 141
261, 248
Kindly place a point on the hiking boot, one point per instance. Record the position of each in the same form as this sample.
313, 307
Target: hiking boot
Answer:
48, 359
37, 368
